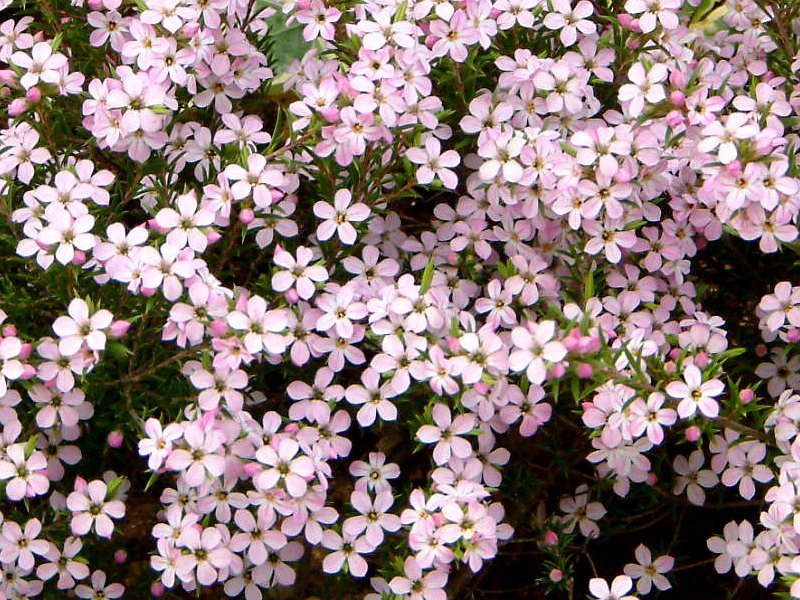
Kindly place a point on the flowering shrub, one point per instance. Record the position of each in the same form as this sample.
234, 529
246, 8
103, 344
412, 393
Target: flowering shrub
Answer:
371, 280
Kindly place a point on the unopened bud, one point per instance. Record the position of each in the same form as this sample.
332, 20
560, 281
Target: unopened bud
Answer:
115, 439
584, 371
78, 258
746, 395
246, 216
550, 538
119, 328
17, 106
25, 351
692, 433
34, 95
761, 350
120, 556
291, 295
218, 327
556, 575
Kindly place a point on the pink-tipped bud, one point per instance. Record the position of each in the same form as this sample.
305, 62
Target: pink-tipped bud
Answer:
678, 98
793, 336
115, 439
584, 371
677, 79
652, 478
81, 485
7, 77
120, 556
556, 575
95, 4
246, 216
291, 295
453, 344
9, 331
674, 118
17, 106
481, 387
119, 328
550, 538
692, 433
251, 469
451, 258
25, 351
28, 372
625, 20
761, 350
701, 360
218, 328
636, 28
675, 353
670, 367
213, 236
157, 589
746, 395
241, 303
557, 371
147, 292
79, 258
34, 95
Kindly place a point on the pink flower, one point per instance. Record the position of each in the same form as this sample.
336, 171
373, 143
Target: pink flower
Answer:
416, 586
649, 572
445, 433
693, 393
338, 218
373, 518
534, 345
348, 548
619, 589
42, 64
284, 464
570, 20
26, 474
158, 443
19, 546
297, 272
91, 509
79, 328
99, 588
435, 163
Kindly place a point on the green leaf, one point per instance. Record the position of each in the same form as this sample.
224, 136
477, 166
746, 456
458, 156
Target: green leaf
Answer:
427, 277
113, 486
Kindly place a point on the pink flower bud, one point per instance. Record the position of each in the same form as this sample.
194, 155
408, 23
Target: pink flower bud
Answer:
625, 20
115, 439
154, 226
692, 433
213, 236
670, 367
584, 371
678, 98
157, 589
674, 118
746, 395
701, 360
451, 258
481, 388
246, 216
25, 351
556, 575
550, 538
652, 478
34, 95
81, 485
251, 469
675, 353
636, 28
291, 295
761, 350
734, 168
28, 372
7, 77
120, 556
17, 106
119, 328
557, 371
79, 258
9, 331
147, 292
453, 344
218, 327
677, 79
95, 4
793, 336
